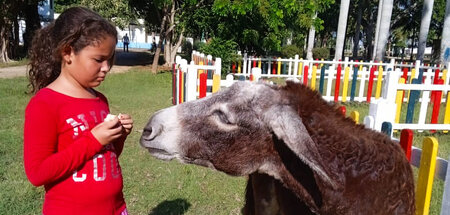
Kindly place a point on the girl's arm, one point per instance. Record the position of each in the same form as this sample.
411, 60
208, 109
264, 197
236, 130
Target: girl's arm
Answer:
43, 162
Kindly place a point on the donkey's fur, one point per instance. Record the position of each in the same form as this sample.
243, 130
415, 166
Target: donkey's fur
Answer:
303, 156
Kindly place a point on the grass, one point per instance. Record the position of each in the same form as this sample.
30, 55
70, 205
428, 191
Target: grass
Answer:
21, 62
150, 186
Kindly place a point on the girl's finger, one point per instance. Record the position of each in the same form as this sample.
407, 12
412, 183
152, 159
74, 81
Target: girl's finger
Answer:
126, 121
124, 116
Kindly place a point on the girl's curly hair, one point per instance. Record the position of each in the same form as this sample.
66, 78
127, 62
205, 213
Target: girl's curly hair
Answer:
76, 27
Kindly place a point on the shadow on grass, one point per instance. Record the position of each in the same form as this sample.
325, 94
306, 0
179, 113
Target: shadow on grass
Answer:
136, 57
172, 207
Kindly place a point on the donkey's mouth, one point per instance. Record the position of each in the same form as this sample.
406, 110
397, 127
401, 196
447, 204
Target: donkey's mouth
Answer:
161, 153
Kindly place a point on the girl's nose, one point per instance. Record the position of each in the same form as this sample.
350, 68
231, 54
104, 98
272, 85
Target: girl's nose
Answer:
105, 66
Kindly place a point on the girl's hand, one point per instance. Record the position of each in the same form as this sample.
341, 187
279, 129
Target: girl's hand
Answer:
108, 131
127, 123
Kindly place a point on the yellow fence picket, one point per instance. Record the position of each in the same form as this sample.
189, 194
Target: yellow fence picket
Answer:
426, 175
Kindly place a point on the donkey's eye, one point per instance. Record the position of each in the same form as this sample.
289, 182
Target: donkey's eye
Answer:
222, 117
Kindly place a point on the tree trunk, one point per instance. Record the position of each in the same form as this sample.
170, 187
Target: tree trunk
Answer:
311, 36
343, 13
15, 47
357, 30
32, 20
167, 49
369, 35
427, 11
445, 39
377, 29
385, 23
177, 45
4, 58
162, 34
412, 45
325, 41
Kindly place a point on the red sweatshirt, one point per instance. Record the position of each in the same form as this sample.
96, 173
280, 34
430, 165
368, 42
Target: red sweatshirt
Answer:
80, 175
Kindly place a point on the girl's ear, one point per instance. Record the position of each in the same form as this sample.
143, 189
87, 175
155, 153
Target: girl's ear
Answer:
66, 54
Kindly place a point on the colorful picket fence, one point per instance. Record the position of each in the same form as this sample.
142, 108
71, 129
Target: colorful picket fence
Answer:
349, 81
416, 96
192, 81
338, 80
430, 166
422, 86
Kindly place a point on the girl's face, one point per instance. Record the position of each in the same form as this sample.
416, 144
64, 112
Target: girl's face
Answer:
89, 66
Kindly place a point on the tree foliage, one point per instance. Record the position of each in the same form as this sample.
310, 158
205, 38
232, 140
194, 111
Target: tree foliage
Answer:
117, 11
258, 27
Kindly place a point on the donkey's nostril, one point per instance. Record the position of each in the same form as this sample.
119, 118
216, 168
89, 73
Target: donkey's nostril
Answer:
151, 132
147, 134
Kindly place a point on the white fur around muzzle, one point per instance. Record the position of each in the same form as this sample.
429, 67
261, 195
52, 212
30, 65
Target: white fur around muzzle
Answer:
161, 134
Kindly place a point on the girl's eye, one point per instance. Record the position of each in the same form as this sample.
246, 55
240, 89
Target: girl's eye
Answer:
99, 60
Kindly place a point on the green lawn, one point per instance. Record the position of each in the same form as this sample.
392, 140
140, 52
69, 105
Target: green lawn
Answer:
151, 186
20, 62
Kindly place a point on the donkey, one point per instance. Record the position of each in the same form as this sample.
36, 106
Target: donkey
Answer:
301, 154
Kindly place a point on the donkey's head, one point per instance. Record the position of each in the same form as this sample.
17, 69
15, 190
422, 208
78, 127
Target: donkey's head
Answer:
234, 131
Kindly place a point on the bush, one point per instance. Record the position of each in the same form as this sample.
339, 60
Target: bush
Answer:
198, 45
290, 51
224, 49
186, 50
321, 53
186, 47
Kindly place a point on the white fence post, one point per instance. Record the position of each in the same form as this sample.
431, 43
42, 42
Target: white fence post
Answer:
191, 82
289, 67
218, 66
249, 65
244, 64
228, 81
362, 83
183, 69
295, 65
390, 85
368, 122
256, 72
417, 67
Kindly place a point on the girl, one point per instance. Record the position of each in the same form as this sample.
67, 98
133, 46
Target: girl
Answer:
68, 147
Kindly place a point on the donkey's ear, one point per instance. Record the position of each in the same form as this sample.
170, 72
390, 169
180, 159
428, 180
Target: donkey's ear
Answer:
288, 126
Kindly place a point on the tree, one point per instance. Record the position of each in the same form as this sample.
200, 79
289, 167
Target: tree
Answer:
445, 40
356, 37
32, 21
342, 25
311, 36
385, 22
424, 27
377, 29
257, 27
10, 10
117, 11
164, 16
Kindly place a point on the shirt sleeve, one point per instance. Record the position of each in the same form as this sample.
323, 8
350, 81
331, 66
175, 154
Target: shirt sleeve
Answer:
43, 162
